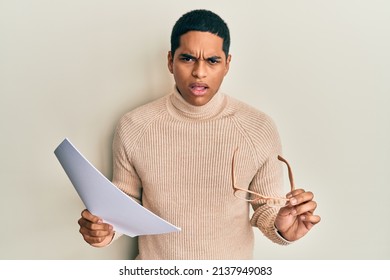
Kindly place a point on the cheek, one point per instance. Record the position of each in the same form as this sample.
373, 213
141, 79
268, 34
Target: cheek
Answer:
181, 72
219, 75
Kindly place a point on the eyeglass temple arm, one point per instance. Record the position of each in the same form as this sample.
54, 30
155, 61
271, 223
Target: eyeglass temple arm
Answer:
290, 175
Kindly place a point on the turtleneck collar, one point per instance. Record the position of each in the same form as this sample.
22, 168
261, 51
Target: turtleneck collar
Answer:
181, 108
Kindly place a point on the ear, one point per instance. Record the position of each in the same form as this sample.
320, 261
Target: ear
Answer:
227, 65
170, 62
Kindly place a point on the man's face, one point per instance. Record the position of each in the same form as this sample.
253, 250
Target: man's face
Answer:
199, 66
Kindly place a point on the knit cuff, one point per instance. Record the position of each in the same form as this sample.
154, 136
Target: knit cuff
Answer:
264, 219
285, 241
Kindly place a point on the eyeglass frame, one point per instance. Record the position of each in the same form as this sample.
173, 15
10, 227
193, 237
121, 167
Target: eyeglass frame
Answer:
277, 201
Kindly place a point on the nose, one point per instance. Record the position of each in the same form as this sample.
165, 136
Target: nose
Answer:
200, 69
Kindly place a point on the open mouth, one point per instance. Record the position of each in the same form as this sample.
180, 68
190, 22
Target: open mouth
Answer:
199, 89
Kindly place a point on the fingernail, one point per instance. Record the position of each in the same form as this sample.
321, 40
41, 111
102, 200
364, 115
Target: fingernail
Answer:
293, 201
302, 218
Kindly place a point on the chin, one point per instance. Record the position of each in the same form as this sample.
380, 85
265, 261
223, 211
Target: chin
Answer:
200, 101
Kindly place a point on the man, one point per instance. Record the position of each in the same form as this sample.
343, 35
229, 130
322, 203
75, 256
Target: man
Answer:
175, 156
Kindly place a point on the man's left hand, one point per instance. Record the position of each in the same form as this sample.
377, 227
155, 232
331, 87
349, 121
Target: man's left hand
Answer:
297, 218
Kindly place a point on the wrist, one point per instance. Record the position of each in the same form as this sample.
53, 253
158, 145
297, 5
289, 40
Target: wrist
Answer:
280, 234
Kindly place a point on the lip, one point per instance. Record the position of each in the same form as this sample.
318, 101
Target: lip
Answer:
198, 89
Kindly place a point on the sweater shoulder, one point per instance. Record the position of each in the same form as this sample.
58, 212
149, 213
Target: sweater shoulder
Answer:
257, 127
250, 117
135, 122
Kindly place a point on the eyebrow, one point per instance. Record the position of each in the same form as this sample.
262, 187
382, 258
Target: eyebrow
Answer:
186, 55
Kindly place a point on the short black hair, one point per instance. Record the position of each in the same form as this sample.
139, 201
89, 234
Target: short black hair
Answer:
200, 20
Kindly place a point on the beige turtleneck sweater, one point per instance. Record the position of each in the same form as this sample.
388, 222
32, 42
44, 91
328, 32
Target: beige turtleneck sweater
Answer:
176, 159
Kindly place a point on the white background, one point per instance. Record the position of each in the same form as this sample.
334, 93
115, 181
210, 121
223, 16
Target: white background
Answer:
71, 68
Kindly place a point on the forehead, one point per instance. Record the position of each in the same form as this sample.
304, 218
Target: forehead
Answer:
195, 42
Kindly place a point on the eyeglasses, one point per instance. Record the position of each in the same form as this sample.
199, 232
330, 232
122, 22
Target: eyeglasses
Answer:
251, 196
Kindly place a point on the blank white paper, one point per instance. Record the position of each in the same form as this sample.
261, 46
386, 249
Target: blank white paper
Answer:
104, 199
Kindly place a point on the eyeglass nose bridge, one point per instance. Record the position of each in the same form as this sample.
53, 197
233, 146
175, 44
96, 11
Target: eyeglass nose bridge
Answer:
245, 195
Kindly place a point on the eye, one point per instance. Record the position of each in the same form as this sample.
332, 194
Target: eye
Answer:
186, 59
213, 60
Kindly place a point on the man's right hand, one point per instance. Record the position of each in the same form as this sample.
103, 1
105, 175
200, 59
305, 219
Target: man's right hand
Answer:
94, 231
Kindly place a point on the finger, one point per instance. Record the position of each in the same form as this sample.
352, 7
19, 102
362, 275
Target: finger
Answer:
287, 210
312, 219
295, 192
301, 197
307, 207
96, 237
95, 233
84, 223
301, 209
90, 217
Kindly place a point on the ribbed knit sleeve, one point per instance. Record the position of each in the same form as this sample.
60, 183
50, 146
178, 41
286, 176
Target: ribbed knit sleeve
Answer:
125, 176
261, 133
128, 133
268, 180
